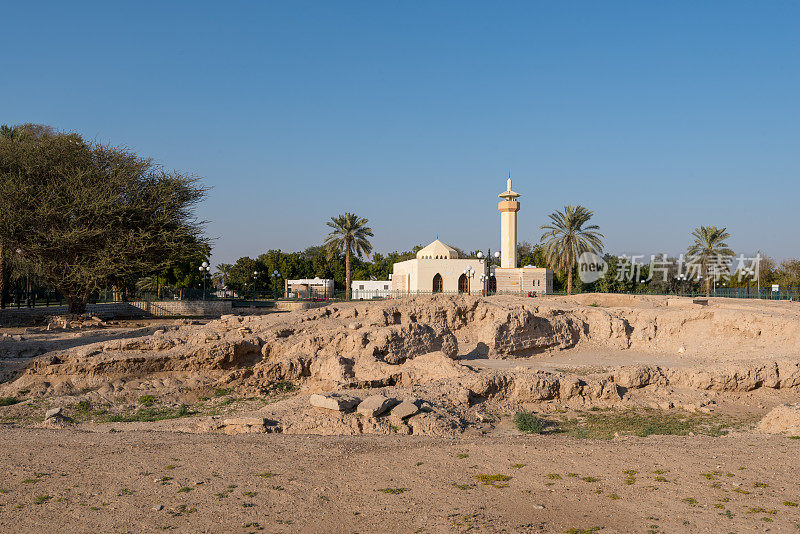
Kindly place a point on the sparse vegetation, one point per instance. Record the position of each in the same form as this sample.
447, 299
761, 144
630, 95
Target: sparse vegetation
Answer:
590, 530
147, 400
528, 423
642, 422
760, 510
554, 476
493, 480
393, 491
8, 401
149, 415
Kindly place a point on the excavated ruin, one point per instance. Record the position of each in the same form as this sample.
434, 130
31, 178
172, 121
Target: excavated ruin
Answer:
427, 349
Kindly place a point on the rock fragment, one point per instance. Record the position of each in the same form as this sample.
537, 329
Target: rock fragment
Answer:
334, 401
375, 405
405, 409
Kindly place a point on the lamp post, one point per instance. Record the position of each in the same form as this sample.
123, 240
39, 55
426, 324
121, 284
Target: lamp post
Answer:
275, 275
204, 270
681, 278
255, 284
469, 272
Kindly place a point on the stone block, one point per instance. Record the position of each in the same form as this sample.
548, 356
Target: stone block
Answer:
405, 409
375, 405
334, 401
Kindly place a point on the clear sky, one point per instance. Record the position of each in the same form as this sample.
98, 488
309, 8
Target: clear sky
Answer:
659, 116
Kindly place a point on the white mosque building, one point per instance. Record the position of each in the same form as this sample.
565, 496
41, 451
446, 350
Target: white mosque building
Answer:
438, 268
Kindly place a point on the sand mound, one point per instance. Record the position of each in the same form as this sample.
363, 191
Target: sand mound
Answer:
782, 420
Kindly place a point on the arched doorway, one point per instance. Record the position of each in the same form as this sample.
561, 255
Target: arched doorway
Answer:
463, 284
438, 283
492, 284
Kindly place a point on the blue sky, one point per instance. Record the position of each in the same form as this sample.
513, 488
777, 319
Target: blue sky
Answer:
659, 116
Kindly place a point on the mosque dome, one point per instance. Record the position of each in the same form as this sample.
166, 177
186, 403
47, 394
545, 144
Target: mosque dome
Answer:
437, 251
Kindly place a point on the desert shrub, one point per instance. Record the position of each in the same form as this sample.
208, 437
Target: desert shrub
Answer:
528, 423
147, 400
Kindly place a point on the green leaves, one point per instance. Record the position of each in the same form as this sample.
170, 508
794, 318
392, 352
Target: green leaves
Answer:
86, 216
567, 237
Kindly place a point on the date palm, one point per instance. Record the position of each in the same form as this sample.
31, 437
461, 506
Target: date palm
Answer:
567, 237
349, 235
710, 251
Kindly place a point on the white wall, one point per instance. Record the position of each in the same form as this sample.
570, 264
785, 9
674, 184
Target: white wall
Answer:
417, 275
367, 289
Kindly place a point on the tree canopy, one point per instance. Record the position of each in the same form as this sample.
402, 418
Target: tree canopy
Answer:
88, 216
567, 237
711, 252
350, 235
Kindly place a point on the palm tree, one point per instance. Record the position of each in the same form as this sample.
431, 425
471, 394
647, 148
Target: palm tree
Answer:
350, 233
567, 238
709, 250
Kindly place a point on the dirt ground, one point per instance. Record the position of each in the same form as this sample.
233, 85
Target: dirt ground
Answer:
86, 482
648, 409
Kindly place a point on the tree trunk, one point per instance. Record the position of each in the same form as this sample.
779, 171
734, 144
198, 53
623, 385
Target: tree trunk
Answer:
347, 271
708, 286
76, 305
569, 282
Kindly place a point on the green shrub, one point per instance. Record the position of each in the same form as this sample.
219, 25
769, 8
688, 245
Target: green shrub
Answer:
147, 400
528, 423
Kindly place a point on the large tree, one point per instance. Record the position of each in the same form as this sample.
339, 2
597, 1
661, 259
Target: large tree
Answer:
87, 216
710, 251
350, 234
567, 237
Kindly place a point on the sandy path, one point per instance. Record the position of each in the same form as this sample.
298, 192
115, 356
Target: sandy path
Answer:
110, 482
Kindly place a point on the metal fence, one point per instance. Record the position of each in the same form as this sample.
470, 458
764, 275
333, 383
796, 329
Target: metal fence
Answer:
38, 299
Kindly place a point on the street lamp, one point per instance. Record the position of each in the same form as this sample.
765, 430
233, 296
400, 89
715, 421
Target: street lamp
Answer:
681, 278
469, 272
255, 284
204, 270
484, 283
275, 275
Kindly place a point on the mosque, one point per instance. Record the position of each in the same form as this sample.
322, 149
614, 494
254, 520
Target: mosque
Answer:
438, 268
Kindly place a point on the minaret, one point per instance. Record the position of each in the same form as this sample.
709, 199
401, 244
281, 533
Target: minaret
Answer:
508, 227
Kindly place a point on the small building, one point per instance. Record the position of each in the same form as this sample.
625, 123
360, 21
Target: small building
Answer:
309, 288
523, 280
370, 289
439, 269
